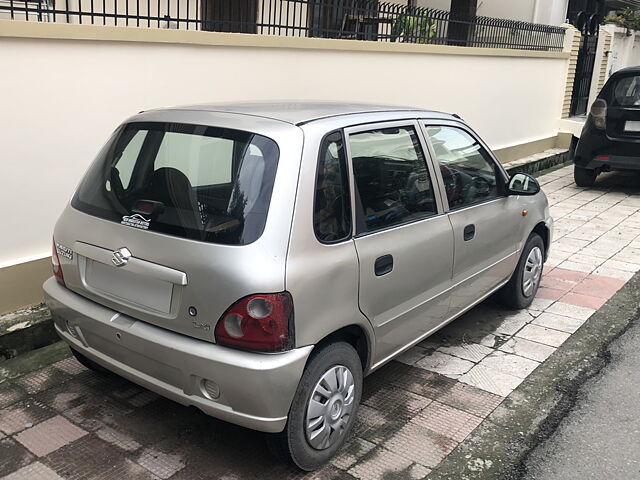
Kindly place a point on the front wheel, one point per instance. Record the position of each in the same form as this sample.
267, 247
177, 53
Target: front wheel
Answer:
521, 289
584, 177
323, 410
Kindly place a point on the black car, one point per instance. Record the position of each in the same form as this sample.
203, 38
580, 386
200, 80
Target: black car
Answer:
610, 139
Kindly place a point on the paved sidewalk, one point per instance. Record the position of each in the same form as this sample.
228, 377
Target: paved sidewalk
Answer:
67, 422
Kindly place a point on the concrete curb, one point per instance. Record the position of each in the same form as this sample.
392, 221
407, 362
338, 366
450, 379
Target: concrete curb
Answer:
25, 330
499, 446
33, 360
538, 162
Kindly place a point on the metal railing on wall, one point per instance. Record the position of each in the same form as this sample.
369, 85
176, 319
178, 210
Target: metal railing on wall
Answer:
340, 19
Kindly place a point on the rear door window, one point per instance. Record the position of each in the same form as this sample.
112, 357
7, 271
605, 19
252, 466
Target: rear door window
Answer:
193, 181
391, 178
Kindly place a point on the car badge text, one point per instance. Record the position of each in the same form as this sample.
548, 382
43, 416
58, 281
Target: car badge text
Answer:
63, 251
121, 257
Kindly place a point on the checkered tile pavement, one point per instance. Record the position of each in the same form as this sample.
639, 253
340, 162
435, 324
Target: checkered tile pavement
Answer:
65, 422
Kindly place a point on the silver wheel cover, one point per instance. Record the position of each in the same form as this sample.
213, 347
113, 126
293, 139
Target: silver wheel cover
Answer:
532, 272
329, 408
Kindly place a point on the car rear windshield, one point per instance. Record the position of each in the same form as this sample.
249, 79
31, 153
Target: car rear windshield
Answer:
192, 181
626, 92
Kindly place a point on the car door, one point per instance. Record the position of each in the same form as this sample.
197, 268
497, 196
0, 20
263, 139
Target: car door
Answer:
404, 241
485, 220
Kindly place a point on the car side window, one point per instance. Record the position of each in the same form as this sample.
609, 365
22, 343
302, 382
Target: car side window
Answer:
392, 182
627, 91
332, 206
470, 174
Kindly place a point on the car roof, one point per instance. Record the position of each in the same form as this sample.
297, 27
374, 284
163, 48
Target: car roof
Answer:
298, 113
626, 70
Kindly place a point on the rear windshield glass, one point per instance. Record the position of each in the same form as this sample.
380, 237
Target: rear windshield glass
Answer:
198, 182
627, 92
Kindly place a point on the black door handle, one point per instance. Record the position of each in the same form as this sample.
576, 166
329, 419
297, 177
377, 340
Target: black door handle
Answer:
383, 265
469, 232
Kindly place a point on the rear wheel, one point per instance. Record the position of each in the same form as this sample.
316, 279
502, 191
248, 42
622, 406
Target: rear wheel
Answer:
584, 177
323, 410
90, 364
521, 289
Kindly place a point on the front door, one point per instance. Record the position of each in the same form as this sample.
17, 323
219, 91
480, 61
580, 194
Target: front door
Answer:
484, 219
403, 238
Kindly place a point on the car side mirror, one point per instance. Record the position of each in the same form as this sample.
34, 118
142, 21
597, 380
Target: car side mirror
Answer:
523, 184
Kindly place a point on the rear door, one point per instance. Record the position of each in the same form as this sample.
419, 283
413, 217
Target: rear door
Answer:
486, 222
403, 240
623, 112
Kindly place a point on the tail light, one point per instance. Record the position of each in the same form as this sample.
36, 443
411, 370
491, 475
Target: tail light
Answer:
599, 113
258, 322
55, 263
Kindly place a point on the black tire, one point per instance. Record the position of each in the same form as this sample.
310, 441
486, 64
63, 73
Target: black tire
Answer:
512, 294
291, 445
90, 364
584, 177
571, 154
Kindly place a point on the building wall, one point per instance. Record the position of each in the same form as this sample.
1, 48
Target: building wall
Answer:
625, 48
71, 85
549, 12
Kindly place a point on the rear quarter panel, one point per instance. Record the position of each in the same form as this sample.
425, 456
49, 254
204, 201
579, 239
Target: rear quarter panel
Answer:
323, 279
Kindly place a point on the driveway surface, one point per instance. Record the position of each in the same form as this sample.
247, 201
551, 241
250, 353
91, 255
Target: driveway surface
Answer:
600, 437
65, 422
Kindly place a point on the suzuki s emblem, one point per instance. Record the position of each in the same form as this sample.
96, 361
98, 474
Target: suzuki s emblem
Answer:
121, 257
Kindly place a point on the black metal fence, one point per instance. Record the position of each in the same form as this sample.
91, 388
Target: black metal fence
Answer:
342, 19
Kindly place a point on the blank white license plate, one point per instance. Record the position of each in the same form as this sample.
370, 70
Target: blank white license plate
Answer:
632, 126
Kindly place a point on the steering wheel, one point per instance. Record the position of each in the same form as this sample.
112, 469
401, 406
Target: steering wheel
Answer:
477, 188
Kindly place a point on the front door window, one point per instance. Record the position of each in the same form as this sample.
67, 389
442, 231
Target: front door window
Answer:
470, 175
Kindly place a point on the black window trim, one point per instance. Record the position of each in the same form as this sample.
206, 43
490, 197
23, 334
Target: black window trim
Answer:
347, 164
428, 158
425, 123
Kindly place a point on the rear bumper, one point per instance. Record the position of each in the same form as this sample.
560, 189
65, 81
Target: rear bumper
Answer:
256, 390
615, 162
622, 153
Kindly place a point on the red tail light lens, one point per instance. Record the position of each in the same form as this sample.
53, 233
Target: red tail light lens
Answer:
55, 263
261, 323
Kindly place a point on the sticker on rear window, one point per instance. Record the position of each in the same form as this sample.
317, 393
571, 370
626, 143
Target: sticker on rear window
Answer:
136, 221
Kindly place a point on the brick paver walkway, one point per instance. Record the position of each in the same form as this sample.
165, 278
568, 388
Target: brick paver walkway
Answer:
64, 422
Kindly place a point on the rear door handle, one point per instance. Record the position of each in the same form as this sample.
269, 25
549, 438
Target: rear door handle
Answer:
469, 232
383, 265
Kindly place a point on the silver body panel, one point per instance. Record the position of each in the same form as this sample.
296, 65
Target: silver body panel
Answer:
134, 319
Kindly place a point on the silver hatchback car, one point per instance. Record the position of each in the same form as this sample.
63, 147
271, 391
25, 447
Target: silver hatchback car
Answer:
257, 260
